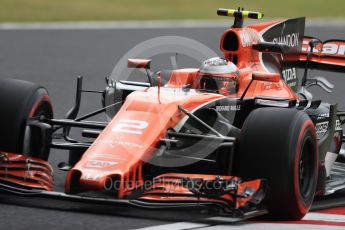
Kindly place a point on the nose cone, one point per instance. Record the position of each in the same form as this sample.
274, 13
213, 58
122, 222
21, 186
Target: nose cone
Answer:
117, 156
129, 140
116, 177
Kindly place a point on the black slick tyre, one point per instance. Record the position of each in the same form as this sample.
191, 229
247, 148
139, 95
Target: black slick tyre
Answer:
280, 145
19, 101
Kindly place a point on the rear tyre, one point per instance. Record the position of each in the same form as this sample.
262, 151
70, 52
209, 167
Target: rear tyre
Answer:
19, 101
280, 145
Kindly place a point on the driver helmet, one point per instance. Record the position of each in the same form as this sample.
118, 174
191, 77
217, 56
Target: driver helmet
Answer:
218, 75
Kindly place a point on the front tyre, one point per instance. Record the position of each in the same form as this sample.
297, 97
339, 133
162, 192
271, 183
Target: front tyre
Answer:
280, 145
20, 101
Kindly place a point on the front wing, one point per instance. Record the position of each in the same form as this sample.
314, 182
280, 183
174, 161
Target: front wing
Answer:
227, 195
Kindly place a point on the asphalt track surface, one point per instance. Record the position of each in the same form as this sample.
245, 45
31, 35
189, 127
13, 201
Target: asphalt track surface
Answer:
53, 58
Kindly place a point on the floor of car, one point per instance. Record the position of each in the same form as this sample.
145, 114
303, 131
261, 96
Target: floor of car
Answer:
337, 180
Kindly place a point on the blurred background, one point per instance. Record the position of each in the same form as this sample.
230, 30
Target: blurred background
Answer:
55, 56
97, 10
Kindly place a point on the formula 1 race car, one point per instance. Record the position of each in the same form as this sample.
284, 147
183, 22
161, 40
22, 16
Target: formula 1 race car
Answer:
240, 135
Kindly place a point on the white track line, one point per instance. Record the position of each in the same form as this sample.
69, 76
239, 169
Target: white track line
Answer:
177, 226
272, 227
325, 217
94, 25
204, 225
245, 226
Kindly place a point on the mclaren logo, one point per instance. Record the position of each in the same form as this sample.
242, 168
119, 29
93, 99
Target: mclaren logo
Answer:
291, 40
333, 49
328, 48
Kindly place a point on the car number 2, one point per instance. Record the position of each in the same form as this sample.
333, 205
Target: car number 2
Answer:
130, 126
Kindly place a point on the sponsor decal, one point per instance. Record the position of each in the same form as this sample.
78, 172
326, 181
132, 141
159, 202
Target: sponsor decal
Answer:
321, 128
249, 37
113, 143
291, 40
333, 49
328, 48
323, 116
94, 174
268, 85
92, 177
290, 76
338, 126
99, 164
226, 108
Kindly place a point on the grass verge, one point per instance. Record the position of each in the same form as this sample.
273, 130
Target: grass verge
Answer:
96, 10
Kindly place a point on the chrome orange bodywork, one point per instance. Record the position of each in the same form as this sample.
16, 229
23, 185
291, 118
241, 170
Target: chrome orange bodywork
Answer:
26, 171
146, 116
124, 152
122, 155
131, 138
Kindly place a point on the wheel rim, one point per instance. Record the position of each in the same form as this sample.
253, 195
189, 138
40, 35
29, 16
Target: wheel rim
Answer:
306, 168
44, 110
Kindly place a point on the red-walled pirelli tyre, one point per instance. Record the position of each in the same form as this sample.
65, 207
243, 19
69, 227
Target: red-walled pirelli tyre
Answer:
280, 145
19, 101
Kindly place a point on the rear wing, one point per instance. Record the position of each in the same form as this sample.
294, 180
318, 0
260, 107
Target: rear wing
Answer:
331, 56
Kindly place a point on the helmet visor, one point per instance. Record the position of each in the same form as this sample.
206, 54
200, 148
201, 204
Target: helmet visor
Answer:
224, 85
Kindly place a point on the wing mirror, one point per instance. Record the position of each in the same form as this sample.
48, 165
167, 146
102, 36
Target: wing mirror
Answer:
264, 76
142, 64
139, 63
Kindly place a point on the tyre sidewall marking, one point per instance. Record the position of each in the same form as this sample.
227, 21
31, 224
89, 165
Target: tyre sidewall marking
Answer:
307, 126
38, 103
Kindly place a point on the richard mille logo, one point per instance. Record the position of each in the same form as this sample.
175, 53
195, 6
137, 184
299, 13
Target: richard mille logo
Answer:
224, 108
